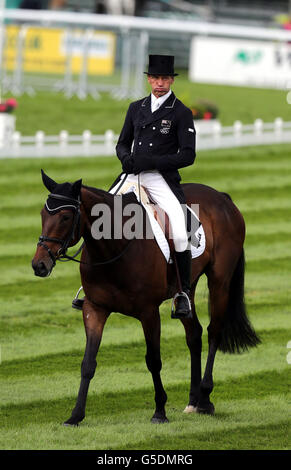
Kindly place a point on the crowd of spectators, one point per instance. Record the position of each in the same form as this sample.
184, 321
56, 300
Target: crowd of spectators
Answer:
113, 7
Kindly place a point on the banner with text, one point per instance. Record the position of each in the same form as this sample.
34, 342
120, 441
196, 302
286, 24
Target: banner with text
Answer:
240, 62
48, 50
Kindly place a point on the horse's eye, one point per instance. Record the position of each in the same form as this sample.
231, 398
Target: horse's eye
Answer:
65, 218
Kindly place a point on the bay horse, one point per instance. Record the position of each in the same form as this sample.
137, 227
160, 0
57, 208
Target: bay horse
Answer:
133, 277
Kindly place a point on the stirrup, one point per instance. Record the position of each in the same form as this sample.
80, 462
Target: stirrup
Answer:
180, 316
78, 303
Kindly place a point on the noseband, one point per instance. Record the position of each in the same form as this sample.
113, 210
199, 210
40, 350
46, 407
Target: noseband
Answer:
68, 203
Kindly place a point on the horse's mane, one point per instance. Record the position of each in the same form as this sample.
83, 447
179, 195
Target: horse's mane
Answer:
97, 191
129, 197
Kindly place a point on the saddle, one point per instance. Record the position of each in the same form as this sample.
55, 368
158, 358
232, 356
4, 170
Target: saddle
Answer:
161, 225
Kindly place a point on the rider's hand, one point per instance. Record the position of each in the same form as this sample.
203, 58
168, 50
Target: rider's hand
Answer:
127, 164
143, 163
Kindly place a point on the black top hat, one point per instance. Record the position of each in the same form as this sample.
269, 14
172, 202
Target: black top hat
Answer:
161, 65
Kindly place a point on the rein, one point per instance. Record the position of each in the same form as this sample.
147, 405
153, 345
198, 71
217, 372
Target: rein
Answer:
62, 252
99, 263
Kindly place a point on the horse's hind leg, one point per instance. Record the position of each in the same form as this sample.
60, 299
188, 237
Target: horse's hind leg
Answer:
218, 296
193, 330
94, 321
152, 330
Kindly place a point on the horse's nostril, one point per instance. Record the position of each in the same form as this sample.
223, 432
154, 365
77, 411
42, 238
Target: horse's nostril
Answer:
40, 269
42, 265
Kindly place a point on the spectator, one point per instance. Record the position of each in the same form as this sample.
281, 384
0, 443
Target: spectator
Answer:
57, 4
116, 7
31, 4
42, 4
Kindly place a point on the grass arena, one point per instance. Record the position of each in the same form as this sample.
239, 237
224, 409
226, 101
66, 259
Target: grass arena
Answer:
42, 339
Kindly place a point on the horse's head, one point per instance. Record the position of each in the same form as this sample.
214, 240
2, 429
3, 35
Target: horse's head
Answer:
60, 224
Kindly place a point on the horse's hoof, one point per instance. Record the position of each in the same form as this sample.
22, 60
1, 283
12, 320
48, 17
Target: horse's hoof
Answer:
72, 425
190, 409
72, 421
159, 419
207, 409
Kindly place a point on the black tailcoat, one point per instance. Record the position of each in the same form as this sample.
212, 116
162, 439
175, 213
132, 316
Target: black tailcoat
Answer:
163, 140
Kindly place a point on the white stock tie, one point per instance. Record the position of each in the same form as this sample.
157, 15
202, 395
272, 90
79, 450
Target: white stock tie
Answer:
155, 106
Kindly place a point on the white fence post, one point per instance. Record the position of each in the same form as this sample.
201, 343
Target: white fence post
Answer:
87, 141
258, 129
86, 137
237, 131
217, 133
39, 140
63, 139
109, 142
278, 128
16, 139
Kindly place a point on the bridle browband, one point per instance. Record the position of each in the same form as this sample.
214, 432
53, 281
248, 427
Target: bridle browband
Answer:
68, 203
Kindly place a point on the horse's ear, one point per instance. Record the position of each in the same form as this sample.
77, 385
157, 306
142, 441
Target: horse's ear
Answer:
77, 188
48, 182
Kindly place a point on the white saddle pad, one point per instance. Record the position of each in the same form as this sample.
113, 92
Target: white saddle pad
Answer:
159, 235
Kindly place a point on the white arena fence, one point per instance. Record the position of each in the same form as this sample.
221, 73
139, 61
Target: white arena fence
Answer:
210, 135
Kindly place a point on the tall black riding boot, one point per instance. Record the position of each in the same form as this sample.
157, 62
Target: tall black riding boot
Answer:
182, 301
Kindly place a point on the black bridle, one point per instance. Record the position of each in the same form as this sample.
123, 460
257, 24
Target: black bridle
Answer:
61, 254
69, 203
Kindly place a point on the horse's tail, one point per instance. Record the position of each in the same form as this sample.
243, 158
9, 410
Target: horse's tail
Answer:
238, 334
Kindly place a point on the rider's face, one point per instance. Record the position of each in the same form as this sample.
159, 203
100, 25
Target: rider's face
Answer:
160, 84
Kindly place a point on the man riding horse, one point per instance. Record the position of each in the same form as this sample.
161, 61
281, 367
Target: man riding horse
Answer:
162, 132
164, 141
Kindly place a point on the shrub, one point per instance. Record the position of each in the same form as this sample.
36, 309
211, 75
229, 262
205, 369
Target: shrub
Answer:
8, 106
203, 109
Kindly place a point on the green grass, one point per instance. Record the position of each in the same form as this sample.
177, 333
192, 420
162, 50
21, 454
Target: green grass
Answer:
53, 112
42, 339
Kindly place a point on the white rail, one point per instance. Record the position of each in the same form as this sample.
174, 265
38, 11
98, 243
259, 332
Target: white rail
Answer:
238, 135
127, 23
210, 135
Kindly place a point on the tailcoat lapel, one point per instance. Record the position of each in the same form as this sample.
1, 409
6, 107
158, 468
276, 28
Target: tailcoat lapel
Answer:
146, 115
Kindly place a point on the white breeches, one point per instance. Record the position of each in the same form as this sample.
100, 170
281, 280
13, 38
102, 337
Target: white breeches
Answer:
164, 197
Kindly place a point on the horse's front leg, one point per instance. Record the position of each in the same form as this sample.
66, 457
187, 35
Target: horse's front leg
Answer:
152, 328
94, 321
